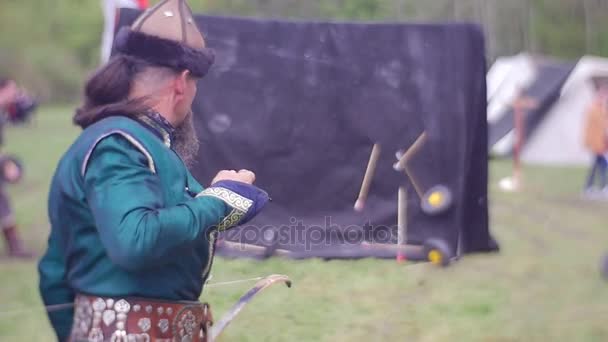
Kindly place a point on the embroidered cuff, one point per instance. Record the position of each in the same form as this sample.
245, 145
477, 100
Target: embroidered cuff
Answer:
240, 205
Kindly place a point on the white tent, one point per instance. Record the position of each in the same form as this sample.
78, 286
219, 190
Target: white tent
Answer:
506, 77
109, 8
558, 139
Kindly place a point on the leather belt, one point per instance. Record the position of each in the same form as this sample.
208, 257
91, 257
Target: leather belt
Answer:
101, 319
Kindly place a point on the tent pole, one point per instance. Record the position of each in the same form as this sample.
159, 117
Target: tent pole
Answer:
521, 106
519, 128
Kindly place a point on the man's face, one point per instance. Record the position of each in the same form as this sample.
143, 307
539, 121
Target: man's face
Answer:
184, 104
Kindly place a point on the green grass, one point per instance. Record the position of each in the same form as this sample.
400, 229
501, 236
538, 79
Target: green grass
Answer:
543, 286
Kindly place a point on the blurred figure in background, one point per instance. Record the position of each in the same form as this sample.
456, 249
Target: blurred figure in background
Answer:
8, 92
110, 8
16, 105
596, 138
10, 97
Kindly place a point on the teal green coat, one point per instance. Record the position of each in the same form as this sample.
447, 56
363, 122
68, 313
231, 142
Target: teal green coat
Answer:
125, 220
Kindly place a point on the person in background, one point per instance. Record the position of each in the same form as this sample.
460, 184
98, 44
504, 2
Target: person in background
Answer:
16, 105
110, 8
9, 94
596, 138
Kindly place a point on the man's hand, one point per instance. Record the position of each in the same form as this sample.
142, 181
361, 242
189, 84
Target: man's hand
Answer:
243, 176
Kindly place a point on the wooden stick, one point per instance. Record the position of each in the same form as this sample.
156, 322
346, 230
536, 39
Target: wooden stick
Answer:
415, 184
367, 179
246, 247
401, 222
401, 165
393, 247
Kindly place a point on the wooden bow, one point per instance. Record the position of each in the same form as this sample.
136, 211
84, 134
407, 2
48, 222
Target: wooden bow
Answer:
262, 284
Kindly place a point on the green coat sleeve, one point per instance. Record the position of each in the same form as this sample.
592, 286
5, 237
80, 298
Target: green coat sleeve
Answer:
54, 287
125, 197
194, 185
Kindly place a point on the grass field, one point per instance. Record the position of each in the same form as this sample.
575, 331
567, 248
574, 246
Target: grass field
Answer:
543, 286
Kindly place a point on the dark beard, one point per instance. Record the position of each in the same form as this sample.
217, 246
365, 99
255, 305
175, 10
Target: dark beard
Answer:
185, 142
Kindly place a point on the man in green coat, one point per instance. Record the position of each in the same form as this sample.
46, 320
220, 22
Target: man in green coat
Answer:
132, 232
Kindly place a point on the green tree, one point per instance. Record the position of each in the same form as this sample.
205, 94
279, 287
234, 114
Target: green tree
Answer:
52, 45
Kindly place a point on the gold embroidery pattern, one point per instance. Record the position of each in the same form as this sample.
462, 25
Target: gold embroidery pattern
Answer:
231, 220
240, 206
212, 237
231, 198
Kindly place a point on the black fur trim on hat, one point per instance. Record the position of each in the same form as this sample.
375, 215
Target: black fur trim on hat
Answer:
163, 52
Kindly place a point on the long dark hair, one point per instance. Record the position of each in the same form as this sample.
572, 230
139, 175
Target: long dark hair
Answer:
107, 92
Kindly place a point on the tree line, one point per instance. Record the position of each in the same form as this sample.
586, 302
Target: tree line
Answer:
51, 46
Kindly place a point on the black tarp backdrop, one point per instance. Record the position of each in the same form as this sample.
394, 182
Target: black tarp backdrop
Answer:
302, 103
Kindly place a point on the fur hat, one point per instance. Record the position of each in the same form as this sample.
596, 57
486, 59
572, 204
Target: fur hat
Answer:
166, 35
